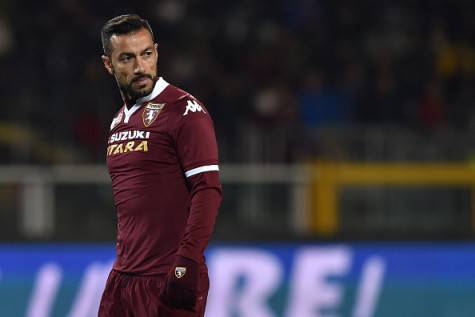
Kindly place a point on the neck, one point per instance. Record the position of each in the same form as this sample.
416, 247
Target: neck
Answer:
129, 101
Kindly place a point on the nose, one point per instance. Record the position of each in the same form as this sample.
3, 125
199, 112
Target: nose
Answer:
139, 66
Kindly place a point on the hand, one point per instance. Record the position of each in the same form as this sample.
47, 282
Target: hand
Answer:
180, 286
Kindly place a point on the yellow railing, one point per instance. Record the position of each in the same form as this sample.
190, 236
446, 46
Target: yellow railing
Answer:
329, 178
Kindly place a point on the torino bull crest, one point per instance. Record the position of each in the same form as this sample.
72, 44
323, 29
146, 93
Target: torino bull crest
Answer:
151, 112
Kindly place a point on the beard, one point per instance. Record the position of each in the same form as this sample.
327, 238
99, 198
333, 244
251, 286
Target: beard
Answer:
134, 93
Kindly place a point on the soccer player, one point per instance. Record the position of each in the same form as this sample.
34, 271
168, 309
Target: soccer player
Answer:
163, 161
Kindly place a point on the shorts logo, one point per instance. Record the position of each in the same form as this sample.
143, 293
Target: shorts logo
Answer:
180, 271
151, 112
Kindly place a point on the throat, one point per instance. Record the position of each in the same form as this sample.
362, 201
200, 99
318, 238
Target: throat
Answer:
129, 103
128, 100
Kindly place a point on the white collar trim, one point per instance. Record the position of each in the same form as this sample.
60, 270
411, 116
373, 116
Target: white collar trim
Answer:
160, 86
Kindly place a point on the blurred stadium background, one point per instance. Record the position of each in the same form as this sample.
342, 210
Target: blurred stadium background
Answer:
346, 134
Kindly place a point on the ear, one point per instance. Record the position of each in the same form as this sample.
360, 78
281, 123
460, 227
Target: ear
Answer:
108, 64
155, 46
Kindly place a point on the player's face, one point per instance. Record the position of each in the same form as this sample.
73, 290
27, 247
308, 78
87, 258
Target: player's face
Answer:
133, 62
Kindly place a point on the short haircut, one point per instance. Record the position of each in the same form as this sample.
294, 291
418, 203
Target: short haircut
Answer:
122, 24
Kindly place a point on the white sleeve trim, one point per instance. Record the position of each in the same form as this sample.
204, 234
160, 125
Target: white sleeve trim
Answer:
201, 169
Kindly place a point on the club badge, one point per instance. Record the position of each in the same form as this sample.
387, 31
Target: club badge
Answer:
180, 271
151, 112
117, 120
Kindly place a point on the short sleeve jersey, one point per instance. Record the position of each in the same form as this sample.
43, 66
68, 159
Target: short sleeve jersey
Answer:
153, 148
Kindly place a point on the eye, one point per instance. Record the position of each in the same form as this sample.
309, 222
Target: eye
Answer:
148, 53
125, 58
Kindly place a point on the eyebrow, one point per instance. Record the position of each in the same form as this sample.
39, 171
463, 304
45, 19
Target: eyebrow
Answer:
133, 54
147, 49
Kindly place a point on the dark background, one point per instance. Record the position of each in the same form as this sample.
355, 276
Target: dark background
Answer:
286, 82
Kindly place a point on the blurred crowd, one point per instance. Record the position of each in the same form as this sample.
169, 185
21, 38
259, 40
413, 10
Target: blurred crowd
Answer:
285, 80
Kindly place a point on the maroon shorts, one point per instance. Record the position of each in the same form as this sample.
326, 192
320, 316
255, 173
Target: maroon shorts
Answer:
128, 295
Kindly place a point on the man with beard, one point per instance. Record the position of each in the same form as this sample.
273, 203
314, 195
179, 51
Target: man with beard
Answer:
163, 161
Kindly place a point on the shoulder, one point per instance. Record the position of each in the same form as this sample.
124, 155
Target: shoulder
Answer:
171, 94
117, 119
184, 105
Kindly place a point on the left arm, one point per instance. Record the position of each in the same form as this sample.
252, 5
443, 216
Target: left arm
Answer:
197, 150
205, 201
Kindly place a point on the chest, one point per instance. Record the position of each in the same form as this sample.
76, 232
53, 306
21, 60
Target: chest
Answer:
140, 141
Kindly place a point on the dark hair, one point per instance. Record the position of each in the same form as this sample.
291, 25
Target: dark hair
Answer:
122, 24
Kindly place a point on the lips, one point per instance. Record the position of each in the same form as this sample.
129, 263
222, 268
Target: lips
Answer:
140, 80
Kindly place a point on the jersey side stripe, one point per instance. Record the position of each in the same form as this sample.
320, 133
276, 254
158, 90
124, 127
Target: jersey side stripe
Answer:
202, 169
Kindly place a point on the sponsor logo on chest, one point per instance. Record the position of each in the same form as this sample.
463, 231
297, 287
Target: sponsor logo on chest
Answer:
136, 141
129, 135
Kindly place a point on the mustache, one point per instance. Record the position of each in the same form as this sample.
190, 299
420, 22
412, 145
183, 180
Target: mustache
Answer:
141, 76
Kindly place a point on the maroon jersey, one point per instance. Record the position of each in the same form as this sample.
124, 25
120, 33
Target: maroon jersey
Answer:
163, 161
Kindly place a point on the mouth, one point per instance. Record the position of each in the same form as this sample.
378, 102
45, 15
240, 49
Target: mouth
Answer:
142, 80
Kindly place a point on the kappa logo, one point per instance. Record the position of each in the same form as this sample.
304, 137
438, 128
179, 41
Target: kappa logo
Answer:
151, 112
180, 271
193, 106
117, 120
